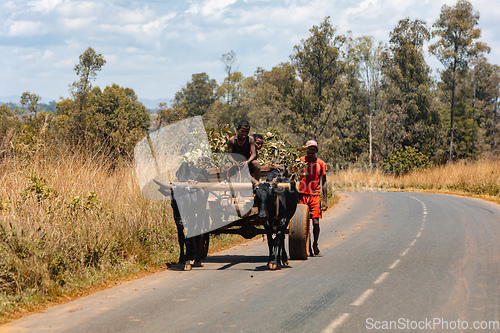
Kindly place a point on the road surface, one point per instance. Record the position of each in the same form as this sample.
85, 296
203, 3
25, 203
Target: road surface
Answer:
390, 261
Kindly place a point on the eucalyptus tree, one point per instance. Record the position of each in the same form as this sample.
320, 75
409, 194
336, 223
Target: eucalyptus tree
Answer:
230, 88
89, 64
495, 133
76, 111
367, 57
318, 60
267, 96
229, 60
31, 102
457, 44
408, 85
478, 91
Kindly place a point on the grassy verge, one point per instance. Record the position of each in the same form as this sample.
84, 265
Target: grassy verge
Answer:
71, 224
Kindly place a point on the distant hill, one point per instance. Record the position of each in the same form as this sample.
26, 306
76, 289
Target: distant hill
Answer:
10, 99
152, 104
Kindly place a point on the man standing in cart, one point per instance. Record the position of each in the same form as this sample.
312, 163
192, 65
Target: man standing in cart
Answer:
312, 184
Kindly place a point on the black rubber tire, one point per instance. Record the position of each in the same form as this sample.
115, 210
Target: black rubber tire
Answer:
299, 237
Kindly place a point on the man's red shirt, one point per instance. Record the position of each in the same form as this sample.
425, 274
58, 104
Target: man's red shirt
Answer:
310, 182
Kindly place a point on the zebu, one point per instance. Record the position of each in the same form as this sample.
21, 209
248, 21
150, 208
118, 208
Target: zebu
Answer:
276, 207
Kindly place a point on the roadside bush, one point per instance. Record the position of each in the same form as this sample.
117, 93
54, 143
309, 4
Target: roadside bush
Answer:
404, 161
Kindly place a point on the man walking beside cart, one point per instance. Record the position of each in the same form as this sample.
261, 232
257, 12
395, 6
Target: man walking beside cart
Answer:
312, 184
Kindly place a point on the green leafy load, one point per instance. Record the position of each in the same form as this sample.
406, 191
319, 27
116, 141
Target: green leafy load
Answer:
277, 150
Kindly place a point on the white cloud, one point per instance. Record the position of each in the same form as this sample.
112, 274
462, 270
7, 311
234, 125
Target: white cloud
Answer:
194, 8
215, 8
157, 26
364, 7
44, 6
26, 28
78, 23
72, 9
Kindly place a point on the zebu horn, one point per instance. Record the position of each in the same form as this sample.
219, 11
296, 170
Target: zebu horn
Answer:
254, 181
274, 182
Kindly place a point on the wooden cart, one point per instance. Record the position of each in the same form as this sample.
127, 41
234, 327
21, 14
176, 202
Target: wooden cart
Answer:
222, 194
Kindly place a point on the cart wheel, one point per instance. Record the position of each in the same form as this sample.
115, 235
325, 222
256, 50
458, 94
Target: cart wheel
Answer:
299, 239
205, 241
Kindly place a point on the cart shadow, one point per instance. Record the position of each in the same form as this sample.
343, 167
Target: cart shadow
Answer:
233, 260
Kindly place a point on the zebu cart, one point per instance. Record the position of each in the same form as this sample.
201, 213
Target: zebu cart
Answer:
223, 195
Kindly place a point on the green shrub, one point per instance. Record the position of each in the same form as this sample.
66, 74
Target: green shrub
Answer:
404, 161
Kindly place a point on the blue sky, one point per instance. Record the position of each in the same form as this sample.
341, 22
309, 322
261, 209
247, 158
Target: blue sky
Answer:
154, 46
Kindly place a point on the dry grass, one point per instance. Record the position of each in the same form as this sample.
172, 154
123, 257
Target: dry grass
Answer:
481, 179
72, 223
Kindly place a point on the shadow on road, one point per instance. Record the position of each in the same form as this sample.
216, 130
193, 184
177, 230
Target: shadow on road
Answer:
231, 261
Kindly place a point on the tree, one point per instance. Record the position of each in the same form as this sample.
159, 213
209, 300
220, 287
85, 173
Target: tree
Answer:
408, 83
478, 91
367, 57
495, 116
267, 97
30, 101
112, 118
117, 118
318, 62
457, 45
231, 88
197, 96
168, 115
89, 64
229, 60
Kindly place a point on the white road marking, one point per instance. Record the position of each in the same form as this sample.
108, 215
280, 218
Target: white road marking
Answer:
394, 264
361, 299
381, 278
336, 323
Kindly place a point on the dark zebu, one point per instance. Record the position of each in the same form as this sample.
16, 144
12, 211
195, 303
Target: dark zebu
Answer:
276, 207
189, 206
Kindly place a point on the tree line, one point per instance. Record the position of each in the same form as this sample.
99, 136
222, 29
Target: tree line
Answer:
363, 101
107, 121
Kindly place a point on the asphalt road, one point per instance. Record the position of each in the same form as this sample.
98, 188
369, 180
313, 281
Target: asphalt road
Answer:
389, 262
